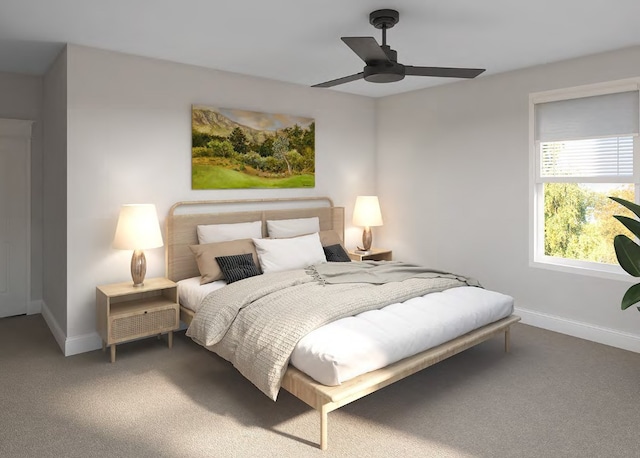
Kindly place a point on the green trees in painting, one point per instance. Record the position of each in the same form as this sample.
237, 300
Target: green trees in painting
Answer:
239, 141
578, 222
288, 152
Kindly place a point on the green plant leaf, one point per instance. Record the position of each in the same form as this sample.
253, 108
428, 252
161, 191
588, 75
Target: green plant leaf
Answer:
635, 208
631, 296
632, 224
628, 254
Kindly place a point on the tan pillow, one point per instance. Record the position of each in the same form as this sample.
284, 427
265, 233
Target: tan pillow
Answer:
206, 257
330, 237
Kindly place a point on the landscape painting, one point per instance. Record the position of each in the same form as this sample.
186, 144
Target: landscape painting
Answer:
233, 148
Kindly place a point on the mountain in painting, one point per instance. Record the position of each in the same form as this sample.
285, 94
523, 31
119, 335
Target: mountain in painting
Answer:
207, 121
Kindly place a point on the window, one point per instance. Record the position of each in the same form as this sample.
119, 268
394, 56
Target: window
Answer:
585, 149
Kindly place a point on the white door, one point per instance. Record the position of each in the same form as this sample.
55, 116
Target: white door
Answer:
15, 152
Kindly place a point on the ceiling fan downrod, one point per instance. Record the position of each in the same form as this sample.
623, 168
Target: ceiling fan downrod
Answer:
384, 20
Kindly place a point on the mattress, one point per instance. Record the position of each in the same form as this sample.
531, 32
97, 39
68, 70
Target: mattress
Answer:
191, 292
346, 348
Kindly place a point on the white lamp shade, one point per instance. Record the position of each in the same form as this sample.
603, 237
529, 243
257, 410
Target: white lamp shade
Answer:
138, 228
367, 211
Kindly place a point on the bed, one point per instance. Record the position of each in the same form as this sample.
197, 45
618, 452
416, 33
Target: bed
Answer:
182, 221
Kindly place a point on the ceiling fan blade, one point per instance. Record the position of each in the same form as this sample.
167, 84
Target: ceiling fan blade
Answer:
366, 48
443, 72
345, 79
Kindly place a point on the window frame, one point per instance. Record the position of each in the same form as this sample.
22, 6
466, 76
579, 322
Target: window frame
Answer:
537, 258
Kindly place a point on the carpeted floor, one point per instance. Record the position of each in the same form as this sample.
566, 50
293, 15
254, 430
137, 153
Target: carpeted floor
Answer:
552, 396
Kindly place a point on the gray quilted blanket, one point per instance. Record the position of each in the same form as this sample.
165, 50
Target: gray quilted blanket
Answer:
255, 323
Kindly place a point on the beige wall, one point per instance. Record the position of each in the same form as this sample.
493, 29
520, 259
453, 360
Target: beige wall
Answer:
129, 137
21, 98
453, 176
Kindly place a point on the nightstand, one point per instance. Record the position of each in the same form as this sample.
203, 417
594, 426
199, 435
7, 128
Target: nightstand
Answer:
374, 254
126, 312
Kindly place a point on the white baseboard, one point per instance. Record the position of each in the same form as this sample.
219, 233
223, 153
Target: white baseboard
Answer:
54, 327
70, 345
586, 331
34, 307
83, 343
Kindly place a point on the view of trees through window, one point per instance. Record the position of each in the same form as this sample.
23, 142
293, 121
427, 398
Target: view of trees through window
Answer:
578, 220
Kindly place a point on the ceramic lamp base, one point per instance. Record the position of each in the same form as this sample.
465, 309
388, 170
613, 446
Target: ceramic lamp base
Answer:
138, 267
367, 238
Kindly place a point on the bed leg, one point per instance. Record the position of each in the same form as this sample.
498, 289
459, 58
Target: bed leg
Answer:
323, 428
507, 339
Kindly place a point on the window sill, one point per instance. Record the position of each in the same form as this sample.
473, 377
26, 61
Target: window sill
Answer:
610, 272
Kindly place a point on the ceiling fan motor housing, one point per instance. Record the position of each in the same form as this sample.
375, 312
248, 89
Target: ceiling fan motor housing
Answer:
383, 72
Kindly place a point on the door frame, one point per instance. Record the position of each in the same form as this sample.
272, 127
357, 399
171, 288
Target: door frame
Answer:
22, 128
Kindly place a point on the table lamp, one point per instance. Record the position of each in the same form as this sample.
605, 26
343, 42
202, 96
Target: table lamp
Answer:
138, 229
367, 213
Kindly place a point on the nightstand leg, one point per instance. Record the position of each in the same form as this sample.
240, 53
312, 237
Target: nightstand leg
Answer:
170, 339
113, 353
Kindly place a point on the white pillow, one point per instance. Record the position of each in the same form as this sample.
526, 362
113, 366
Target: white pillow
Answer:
283, 228
214, 233
276, 255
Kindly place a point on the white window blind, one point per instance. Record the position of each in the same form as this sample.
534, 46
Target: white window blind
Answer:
599, 116
577, 159
587, 139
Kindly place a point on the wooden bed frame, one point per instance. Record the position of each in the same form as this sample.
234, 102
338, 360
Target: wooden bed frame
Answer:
181, 232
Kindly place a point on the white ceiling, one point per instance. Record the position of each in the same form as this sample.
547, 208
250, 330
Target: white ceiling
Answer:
298, 41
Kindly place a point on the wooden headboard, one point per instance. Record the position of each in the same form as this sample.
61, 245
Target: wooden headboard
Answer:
181, 224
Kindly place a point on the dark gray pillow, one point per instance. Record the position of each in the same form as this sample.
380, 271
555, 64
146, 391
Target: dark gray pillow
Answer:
335, 253
237, 267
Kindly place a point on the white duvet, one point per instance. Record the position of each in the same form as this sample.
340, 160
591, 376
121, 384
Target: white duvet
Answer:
344, 349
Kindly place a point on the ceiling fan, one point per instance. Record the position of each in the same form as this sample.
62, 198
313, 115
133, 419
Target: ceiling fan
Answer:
382, 62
